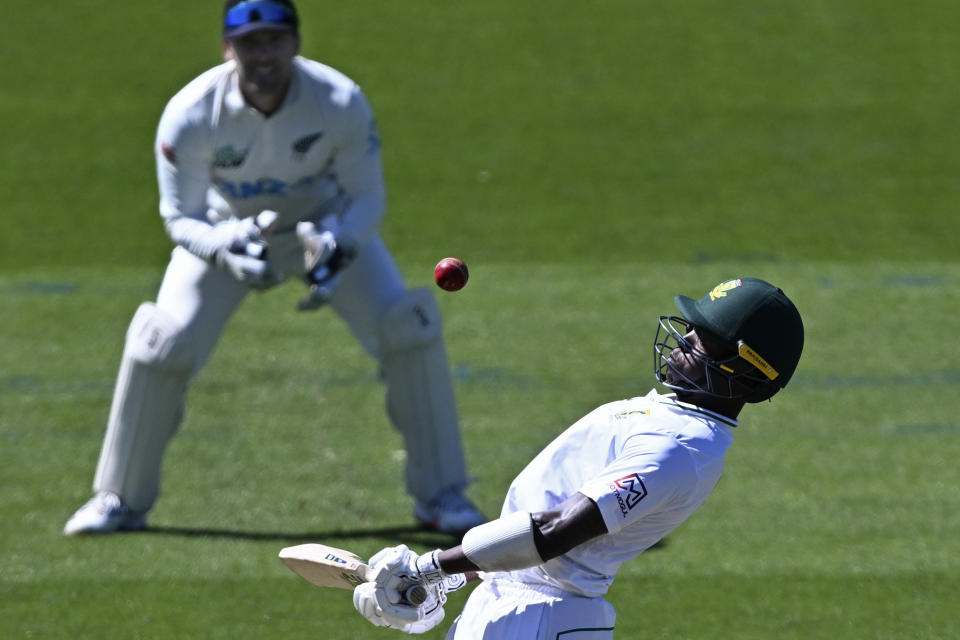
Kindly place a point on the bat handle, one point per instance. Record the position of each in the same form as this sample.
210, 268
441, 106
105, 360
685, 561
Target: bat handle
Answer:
416, 594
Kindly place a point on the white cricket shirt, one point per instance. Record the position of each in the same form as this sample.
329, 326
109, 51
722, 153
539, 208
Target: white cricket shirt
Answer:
647, 462
317, 155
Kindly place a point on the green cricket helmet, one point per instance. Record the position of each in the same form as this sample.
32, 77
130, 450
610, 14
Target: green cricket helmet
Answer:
755, 319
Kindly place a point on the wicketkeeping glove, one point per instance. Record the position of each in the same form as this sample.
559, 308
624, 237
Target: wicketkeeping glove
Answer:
256, 273
325, 258
318, 246
243, 253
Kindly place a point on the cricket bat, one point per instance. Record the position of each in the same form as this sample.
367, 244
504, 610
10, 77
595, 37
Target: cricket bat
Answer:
327, 566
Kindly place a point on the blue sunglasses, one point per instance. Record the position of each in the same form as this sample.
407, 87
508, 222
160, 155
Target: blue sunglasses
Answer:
262, 11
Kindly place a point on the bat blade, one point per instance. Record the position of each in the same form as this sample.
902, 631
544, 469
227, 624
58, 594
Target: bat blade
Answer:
326, 566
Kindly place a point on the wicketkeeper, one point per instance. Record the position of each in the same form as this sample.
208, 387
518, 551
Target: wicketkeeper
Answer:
610, 486
269, 169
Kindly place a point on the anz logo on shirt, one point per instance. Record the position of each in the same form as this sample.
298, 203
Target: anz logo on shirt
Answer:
322, 184
629, 490
245, 189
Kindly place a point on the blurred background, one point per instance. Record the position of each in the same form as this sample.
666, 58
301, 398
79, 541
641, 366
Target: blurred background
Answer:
588, 161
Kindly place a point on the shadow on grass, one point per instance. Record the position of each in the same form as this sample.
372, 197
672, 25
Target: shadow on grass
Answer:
407, 534
404, 535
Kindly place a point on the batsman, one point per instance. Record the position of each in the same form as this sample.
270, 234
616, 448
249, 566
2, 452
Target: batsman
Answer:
269, 170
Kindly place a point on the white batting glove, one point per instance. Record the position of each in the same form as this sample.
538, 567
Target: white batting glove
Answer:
430, 613
396, 568
394, 571
365, 602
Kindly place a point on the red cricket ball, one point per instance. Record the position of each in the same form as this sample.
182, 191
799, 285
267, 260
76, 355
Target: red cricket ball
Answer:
451, 274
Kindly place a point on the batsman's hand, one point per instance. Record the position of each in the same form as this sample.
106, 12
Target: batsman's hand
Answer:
396, 568
394, 571
403, 617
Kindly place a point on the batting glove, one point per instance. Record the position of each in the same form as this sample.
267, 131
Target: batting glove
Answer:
428, 615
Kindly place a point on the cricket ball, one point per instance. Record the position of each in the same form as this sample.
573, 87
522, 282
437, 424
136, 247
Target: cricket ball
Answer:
451, 274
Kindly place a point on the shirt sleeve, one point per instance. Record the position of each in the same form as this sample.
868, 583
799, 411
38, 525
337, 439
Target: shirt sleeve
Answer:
359, 171
183, 157
648, 471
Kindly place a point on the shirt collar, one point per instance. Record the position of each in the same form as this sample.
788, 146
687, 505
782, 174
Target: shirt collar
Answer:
670, 400
233, 98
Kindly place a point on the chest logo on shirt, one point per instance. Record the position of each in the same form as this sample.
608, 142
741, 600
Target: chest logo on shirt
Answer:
229, 158
630, 491
301, 146
624, 415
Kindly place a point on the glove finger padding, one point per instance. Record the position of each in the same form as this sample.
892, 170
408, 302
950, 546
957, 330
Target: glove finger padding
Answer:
424, 617
388, 556
394, 572
405, 617
431, 612
365, 603
393, 606
431, 617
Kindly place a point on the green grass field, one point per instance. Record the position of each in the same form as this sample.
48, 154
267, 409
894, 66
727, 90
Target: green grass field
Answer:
588, 161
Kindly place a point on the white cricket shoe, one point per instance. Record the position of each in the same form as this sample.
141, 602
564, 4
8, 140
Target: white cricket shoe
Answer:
105, 512
449, 512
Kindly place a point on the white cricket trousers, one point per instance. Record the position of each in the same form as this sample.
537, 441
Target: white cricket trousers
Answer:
200, 299
502, 609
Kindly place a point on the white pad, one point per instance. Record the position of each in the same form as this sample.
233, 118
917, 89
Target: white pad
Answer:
148, 405
420, 396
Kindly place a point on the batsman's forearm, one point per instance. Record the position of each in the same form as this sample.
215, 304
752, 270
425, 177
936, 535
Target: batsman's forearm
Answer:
504, 544
455, 561
522, 540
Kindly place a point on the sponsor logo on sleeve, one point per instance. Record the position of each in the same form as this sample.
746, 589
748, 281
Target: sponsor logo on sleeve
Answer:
629, 491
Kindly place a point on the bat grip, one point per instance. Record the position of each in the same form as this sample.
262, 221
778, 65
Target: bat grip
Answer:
416, 594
